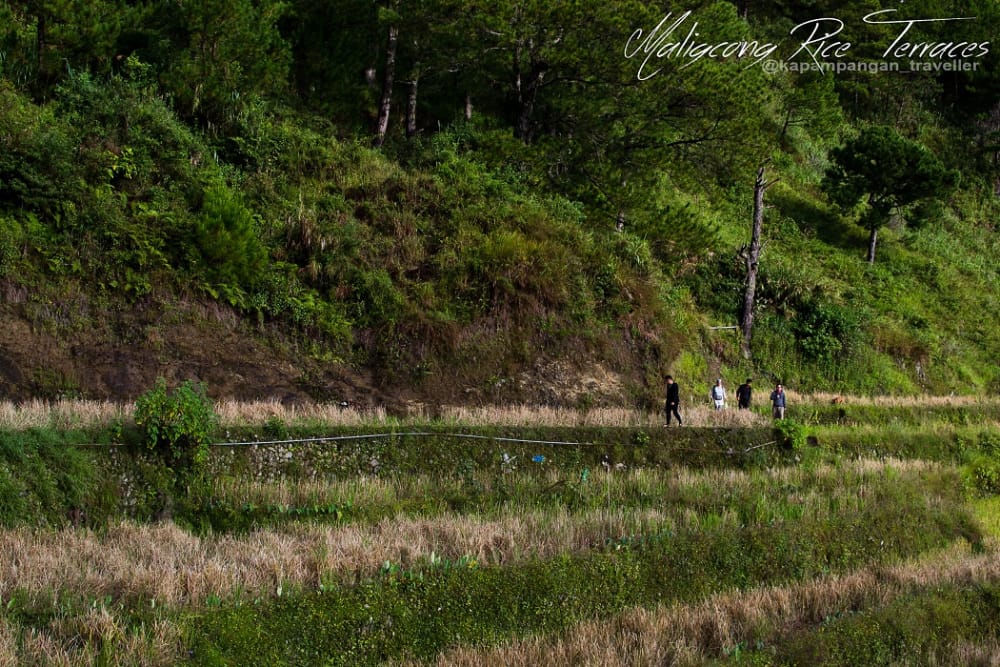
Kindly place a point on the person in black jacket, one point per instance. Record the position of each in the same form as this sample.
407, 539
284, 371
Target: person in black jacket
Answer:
673, 400
743, 394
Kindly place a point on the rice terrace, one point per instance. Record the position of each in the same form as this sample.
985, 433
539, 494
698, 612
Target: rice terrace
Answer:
866, 533
499, 332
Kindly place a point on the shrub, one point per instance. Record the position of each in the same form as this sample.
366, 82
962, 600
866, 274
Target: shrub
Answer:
826, 331
227, 238
45, 481
790, 434
177, 424
983, 476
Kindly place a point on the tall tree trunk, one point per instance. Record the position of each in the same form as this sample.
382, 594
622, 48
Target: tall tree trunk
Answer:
468, 106
411, 104
40, 43
382, 124
784, 127
753, 260
526, 88
872, 240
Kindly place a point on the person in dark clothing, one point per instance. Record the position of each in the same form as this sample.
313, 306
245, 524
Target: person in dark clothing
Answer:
673, 400
743, 394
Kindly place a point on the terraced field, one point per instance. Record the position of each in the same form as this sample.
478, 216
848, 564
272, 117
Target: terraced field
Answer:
867, 535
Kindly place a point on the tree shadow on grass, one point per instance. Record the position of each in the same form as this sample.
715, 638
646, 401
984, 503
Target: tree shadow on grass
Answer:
819, 221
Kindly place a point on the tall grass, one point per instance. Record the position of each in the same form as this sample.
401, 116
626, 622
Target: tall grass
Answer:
988, 512
76, 414
521, 415
974, 654
922, 400
62, 414
95, 636
165, 563
254, 413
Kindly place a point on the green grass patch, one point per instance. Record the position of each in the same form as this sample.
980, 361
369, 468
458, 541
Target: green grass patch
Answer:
748, 497
44, 481
987, 512
924, 627
421, 611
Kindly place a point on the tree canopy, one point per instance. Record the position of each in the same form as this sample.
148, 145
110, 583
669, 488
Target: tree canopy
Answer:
889, 172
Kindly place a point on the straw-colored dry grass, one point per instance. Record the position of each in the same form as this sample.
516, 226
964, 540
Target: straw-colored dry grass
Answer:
79, 639
893, 401
528, 415
693, 633
254, 413
816, 487
985, 654
166, 563
66, 414
175, 567
69, 414
8, 644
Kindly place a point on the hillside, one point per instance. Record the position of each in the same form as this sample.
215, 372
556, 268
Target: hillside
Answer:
454, 202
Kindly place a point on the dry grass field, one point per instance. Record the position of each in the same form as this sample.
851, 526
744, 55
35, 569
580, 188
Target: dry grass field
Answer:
70, 414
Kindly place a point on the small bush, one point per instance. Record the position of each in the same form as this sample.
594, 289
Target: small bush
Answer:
177, 424
983, 476
790, 434
227, 239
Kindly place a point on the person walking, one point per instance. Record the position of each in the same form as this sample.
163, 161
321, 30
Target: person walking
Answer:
673, 400
778, 402
719, 395
743, 394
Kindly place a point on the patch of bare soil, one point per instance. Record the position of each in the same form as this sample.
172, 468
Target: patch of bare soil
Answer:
74, 348
120, 355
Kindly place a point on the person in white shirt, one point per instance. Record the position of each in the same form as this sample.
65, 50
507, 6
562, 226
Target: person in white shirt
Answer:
719, 395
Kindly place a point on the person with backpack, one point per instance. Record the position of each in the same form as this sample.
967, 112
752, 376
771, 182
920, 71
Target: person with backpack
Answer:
719, 395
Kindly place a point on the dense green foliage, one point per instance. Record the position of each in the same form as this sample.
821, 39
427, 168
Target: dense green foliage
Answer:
177, 425
150, 151
46, 481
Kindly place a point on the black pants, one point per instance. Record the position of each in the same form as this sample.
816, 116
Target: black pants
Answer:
672, 408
